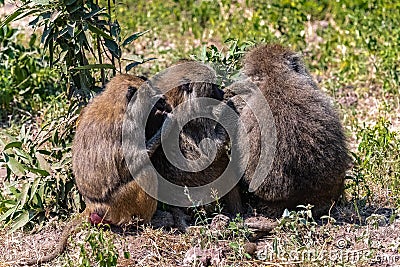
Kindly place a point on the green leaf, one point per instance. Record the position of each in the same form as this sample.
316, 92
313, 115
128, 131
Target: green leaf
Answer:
127, 255
34, 188
43, 164
93, 13
133, 37
11, 17
18, 14
113, 48
21, 221
136, 63
97, 31
234, 245
24, 194
21, 153
5, 215
39, 171
69, 2
17, 144
16, 167
44, 152
95, 66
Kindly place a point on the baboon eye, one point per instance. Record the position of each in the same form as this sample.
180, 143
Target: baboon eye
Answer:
131, 91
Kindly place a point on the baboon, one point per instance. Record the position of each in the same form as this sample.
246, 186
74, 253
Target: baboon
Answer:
191, 81
311, 155
99, 165
102, 176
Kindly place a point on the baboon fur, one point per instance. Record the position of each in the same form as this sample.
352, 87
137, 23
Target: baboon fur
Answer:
311, 155
193, 81
102, 177
98, 162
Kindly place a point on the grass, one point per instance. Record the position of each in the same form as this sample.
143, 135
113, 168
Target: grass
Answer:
351, 49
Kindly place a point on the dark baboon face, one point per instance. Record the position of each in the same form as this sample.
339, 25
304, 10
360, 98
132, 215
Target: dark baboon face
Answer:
157, 116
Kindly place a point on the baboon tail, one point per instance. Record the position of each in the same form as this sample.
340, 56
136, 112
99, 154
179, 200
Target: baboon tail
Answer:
60, 247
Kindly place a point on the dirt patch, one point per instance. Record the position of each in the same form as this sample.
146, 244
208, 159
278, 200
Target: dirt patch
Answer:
348, 244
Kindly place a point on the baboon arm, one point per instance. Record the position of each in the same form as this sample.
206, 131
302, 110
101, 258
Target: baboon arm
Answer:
155, 141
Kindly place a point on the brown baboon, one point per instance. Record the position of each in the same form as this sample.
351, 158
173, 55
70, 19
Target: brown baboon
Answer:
111, 193
101, 173
311, 156
191, 81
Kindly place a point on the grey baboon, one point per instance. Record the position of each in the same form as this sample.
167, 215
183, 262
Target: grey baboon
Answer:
191, 81
112, 195
311, 155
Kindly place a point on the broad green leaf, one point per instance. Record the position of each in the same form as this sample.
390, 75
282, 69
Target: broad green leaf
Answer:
133, 37
96, 30
24, 194
113, 48
14, 191
95, 66
23, 154
21, 221
39, 171
5, 215
55, 137
43, 152
16, 167
13, 144
43, 164
34, 188
132, 65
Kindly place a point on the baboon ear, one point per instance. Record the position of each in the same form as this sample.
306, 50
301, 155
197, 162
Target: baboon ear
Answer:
131, 91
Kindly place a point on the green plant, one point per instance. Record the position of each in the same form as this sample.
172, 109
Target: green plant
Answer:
238, 233
300, 225
377, 160
39, 177
80, 36
97, 248
26, 82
